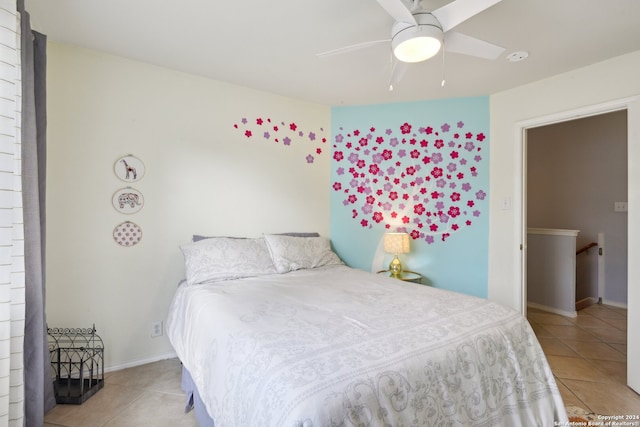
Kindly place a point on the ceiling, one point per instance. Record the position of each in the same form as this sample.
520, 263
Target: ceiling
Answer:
272, 45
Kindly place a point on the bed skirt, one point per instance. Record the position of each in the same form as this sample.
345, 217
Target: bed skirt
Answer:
193, 400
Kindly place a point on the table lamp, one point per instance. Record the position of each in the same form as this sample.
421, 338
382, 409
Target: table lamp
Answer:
396, 243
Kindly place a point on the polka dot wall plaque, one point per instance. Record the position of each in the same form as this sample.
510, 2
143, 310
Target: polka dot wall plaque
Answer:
127, 234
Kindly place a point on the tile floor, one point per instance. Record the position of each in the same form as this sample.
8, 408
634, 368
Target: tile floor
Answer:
147, 395
587, 356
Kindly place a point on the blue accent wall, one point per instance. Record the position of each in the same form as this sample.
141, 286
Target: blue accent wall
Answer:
419, 167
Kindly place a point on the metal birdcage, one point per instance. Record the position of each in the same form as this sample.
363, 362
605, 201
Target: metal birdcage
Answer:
77, 363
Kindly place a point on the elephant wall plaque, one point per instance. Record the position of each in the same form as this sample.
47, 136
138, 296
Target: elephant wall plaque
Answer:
128, 200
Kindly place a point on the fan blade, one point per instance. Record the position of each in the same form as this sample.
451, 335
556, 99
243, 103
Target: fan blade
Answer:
467, 45
399, 68
398, 10
350, 48
458, 11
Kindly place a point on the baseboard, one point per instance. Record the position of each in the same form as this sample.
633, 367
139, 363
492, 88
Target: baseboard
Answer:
135, 363
553, 310
614, 304
585, 302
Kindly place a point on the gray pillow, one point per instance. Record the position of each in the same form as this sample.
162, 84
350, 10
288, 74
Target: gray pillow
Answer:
198, 237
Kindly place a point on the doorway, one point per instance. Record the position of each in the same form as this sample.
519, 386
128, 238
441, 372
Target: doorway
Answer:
576, 171
632, 106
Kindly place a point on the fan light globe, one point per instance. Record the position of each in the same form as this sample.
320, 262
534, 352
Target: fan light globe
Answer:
417, 43
417, 49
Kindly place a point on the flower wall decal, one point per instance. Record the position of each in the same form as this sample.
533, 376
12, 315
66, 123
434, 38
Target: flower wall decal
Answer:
285, 133
422, 180
420, 167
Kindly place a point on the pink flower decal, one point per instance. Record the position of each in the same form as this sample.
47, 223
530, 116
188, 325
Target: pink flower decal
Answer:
289, 135
426, 185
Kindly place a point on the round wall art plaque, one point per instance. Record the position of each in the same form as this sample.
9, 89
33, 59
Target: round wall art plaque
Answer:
127, 200
127, 234
129, 168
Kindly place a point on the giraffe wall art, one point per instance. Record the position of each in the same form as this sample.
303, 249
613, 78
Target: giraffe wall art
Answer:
129, 168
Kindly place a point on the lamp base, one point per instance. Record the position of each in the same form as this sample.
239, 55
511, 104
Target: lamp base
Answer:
395, 267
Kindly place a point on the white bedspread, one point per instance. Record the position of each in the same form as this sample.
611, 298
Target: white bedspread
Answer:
336, 346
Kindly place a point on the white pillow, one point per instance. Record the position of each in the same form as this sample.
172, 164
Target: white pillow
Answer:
294, 253
225, 258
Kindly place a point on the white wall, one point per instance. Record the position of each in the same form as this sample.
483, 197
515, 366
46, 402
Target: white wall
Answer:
599, 83
551, 270
579, 90
202, 176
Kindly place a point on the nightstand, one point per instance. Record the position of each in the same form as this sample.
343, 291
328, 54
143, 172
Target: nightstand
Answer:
407, 276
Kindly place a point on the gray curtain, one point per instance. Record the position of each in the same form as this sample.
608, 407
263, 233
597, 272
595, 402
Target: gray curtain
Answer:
38, 385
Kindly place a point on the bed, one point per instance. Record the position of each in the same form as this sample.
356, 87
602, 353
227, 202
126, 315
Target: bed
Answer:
277, 331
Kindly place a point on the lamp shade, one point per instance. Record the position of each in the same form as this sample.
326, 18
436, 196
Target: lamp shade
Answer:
396, 243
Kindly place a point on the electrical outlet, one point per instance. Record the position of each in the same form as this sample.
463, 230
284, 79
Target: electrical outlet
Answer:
620, 206
156, 328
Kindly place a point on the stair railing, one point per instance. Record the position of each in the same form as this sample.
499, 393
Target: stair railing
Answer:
586, 248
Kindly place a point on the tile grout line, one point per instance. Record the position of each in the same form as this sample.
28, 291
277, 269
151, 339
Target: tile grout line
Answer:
598, 338
584, 405
122, 409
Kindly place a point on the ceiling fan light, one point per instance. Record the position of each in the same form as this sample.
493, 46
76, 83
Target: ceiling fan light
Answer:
417, 49
416, 43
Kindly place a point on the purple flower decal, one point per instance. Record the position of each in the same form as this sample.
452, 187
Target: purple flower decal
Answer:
425, 182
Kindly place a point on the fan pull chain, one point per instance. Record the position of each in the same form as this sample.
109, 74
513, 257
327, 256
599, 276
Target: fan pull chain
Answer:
392, 64
443, 68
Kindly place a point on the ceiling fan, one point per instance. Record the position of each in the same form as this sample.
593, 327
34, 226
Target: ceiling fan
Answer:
418, 34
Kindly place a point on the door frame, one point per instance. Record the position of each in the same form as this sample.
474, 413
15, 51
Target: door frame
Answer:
632, 106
